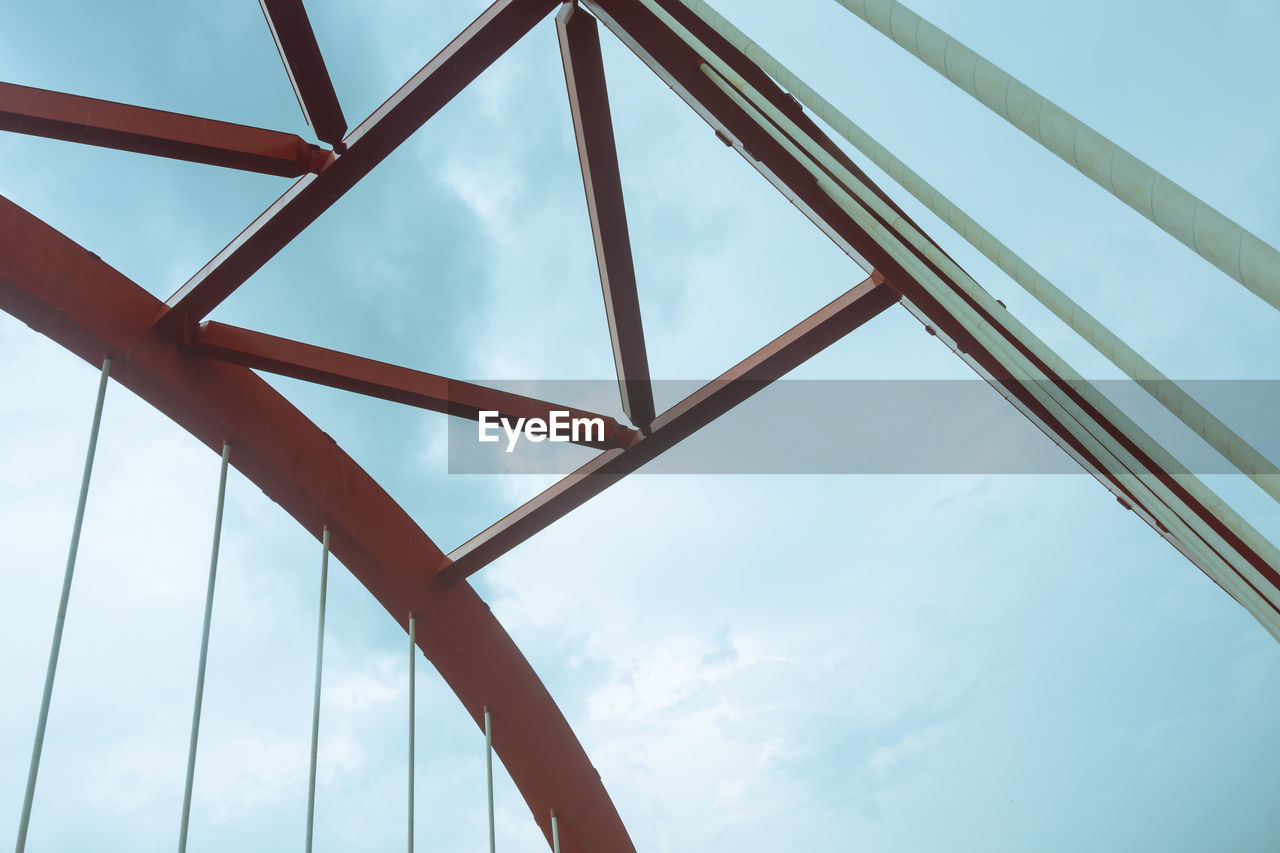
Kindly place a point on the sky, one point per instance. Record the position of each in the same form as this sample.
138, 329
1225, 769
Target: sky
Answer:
838, 662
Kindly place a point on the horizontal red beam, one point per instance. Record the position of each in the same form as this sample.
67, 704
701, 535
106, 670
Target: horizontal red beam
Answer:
462, 60
300, 53
741, 382
291, 358
74, 118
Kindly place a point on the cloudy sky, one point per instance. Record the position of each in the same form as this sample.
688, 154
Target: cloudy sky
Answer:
897, 663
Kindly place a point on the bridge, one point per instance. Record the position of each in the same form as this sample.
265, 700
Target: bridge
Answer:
209, 376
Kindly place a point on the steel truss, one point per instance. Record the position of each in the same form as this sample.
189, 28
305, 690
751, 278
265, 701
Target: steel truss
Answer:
201, 374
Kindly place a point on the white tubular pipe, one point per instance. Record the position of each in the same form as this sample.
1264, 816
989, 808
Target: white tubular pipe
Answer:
1195, 223
1248, 460
1186, 408
1194, 534
1154, 496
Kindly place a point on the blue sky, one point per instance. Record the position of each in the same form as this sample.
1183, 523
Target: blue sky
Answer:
753, 663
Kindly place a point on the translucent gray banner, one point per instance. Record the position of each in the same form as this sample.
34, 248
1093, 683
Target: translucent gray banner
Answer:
851, 427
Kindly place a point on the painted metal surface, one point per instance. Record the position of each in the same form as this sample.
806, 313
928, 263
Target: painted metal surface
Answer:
739, 383
462, 60
67, 293
201, 376
387, 381
593, 128
108, 124
300, 53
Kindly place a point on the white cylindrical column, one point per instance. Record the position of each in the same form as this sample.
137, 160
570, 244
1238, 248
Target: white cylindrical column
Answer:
1194, 222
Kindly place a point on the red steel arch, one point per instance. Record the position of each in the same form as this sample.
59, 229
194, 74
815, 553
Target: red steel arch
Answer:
202, 377
66, 292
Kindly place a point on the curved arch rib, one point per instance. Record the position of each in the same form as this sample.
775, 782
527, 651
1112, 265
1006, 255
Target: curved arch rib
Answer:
70, 295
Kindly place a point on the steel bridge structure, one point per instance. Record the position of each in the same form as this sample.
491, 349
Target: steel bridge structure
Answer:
205, 375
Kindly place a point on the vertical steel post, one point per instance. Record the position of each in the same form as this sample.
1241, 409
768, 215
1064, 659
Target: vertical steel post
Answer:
488, 764
315, 706
56, 646
413, 665
555, 833
204, 651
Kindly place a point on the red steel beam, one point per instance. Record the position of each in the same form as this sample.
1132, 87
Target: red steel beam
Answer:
74, 118
488, 37
300, 53
593, 127
680, 67
739, 383
387, 381
67, 293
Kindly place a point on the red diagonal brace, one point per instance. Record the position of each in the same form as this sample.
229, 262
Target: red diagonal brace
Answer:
388, 381
784, 354
301, 56
474, 50
593, 126
108, 124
